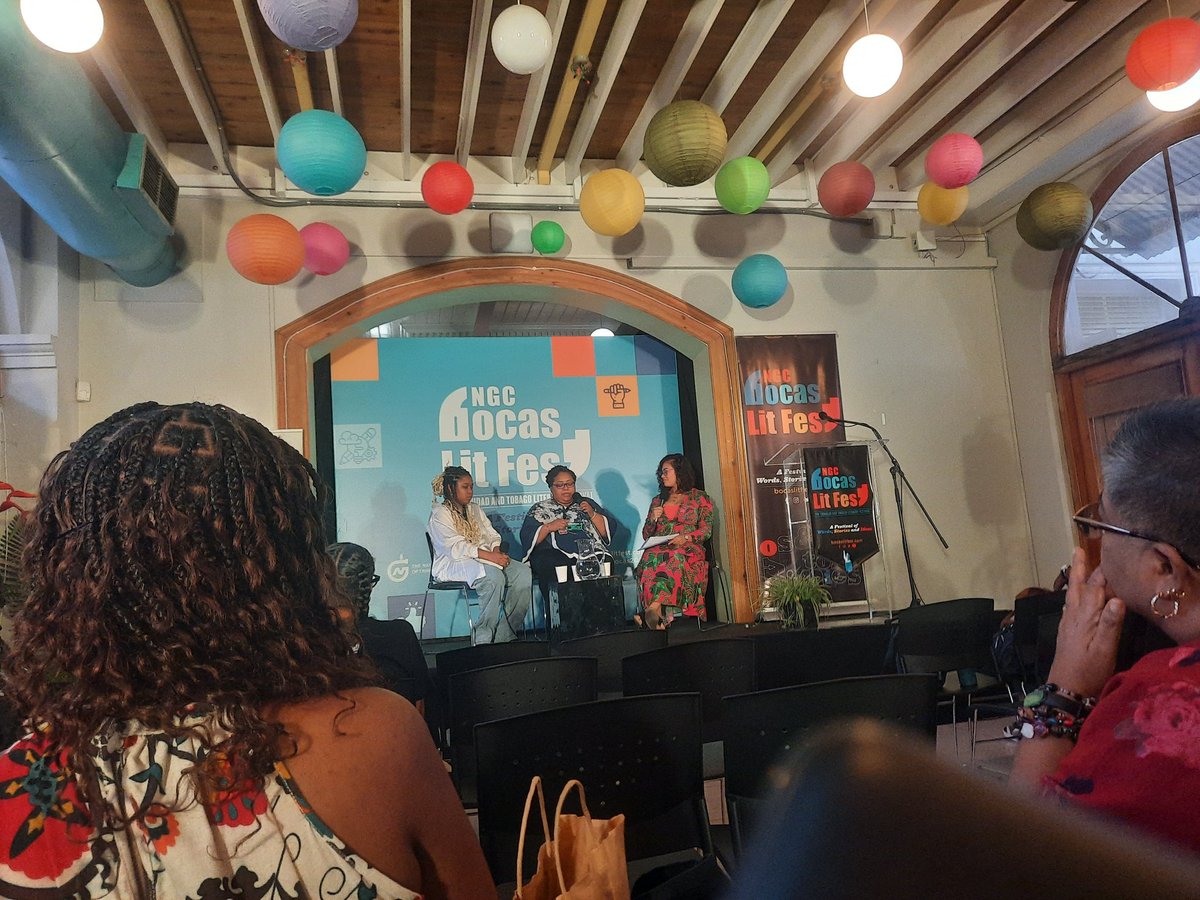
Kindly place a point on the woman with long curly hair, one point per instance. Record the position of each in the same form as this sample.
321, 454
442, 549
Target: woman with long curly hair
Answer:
198, 728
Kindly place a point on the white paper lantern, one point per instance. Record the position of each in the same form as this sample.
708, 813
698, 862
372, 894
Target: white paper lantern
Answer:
70, 26
522, 39
872, 65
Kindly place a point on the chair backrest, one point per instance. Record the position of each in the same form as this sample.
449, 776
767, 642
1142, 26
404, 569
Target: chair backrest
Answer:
855, 789
713, 668
450, 662
763, 726
609, 649
953, 634
510, 689
803, 656
1031, 615
640, 756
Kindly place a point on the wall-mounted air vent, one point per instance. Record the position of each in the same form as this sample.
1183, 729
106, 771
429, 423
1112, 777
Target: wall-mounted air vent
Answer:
147, 188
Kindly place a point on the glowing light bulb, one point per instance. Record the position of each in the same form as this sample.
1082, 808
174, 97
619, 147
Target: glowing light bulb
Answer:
872, 65
71, 26
1177, 98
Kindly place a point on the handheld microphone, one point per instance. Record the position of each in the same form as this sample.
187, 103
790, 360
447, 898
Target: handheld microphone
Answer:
576, 498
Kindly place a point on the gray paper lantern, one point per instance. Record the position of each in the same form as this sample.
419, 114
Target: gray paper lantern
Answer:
312, 25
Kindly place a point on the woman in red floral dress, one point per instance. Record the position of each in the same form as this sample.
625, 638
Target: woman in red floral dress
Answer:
673, 576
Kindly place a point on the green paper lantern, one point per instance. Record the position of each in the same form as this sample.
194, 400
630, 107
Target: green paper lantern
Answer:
548, 237
742, 185
684, 143
1054, 216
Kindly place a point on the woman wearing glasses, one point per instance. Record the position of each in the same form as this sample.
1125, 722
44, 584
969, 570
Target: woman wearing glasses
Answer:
673, 576
563, 529
1128, 745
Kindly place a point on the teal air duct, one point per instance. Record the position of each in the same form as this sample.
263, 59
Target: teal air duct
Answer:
101, 190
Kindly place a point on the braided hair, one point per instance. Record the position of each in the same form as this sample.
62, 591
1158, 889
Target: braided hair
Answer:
176, 566
445, 487
356, 568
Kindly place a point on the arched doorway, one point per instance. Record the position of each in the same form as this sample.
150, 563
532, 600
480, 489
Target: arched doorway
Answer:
706, 341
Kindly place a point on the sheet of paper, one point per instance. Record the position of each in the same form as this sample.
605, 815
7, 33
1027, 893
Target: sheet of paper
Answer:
655, 541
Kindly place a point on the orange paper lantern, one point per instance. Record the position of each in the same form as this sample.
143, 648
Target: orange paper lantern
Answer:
941, 206
1164, 55
846, 188
265, 249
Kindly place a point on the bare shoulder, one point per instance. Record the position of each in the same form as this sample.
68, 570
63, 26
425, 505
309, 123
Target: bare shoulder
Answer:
366, 720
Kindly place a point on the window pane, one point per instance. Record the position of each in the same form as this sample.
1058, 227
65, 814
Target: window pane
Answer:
1185, 169
1103, 305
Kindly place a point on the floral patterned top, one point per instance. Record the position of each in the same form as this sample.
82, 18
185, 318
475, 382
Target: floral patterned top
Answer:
677, 577
1138, 754
251, 842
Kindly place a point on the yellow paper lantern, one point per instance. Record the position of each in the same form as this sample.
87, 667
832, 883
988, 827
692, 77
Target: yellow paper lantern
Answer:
1054, 216
941, 206
612, 202
685, 143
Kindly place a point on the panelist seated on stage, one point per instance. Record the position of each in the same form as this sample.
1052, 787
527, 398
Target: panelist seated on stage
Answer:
467, 548
565, 530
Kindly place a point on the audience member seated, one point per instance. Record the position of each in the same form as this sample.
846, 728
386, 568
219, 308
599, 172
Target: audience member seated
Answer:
564, 530
467, 548
391, 644
1128, 745
673, 576
199, 729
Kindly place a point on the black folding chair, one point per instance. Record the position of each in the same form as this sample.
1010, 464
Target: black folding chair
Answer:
802, 656
451, 662
609, 650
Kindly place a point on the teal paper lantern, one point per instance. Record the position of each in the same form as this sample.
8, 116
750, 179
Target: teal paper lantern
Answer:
742, 185
759, 281
548, 237
321, 153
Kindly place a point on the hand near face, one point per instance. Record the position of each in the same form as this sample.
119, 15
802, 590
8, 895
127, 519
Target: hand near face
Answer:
656, 514
586, 506
1086, 654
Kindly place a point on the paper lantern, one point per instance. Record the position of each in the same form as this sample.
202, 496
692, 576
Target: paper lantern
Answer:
548, 237
684, 143
321, 153
447, 187
612, 202
1054, 216
759, 280
522, 39
742, 185
1177, 98
325, 248
69, 26
312, 25
265, 249
954, 160
941, 206
1164, 55
846, 188
872, 65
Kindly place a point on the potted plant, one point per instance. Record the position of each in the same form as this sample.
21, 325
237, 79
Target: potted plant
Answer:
798, 598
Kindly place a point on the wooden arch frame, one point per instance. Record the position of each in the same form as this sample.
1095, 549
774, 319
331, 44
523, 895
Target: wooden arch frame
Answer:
302, 341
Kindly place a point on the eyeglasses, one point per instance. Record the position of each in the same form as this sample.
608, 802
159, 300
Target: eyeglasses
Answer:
374, 580
563, 484
1090, 525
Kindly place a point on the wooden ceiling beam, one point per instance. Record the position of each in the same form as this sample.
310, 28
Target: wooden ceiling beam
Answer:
335, 80
481, 17
406, 89
615, 49
258, 64
746, 49
298, 63
695, 29
556, 14
127, 95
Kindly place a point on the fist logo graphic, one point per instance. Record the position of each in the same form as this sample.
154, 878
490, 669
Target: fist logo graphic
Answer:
616, 393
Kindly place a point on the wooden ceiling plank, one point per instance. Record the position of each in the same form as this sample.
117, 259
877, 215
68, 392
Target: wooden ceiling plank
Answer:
584, 38
923, 64
481, 16
335, 80
903, 19
406, 89
828, 28
695, 29
176, 47
127, 95
746, 49
535, 93
615, 49
1066, 42
258, 64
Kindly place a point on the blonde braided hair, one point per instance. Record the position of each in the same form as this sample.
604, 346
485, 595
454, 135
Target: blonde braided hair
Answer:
444, 486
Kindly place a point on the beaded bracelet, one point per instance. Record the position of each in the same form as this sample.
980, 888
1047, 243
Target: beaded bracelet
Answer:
1054, 711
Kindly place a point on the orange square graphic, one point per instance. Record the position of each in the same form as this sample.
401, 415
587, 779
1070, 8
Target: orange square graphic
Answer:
617, 396
355, 360
573, 356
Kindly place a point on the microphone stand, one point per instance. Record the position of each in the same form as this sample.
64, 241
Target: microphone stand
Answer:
899, 482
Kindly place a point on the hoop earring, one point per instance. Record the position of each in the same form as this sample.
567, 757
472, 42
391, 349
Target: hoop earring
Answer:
1174, 596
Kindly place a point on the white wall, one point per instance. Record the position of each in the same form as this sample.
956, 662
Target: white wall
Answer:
919, 344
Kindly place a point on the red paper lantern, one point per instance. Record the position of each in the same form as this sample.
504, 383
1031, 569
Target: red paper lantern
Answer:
447, 188
1164, 54
846, 188
265, 249
954, 160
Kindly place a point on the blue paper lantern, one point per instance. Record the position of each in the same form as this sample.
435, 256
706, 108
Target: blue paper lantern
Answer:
759, 280
321, 153
312, 25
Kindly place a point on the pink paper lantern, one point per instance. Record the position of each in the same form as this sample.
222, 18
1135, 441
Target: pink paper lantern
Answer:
447, 187
954, 160
846, 188
325, 248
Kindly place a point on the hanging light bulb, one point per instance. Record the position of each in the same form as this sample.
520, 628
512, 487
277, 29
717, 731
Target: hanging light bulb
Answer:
71, 26
873, 63
1177, 98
